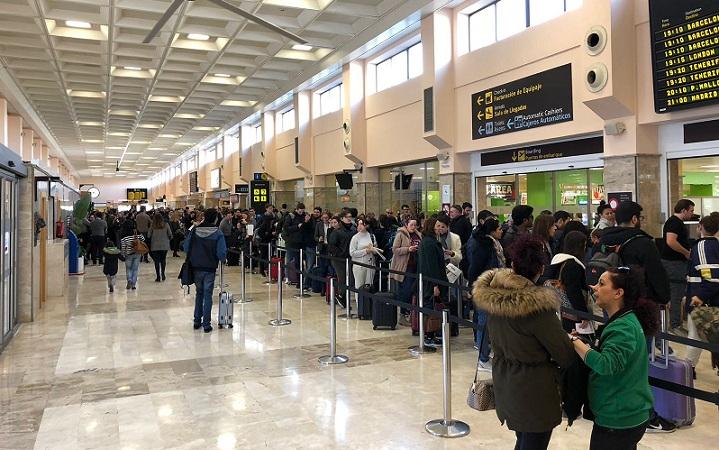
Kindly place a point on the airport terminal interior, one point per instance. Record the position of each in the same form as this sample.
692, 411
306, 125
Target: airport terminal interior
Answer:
187, 188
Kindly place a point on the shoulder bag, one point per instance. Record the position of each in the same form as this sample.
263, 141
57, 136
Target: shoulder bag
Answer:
186, 277
138, 246
481, 393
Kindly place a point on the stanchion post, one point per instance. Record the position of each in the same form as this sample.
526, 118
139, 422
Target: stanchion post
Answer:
301, 287
279, 321
348, 293
447, 427
420, 349
333, 357
243, 279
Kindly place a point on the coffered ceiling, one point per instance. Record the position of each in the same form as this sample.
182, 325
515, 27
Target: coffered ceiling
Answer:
107, 97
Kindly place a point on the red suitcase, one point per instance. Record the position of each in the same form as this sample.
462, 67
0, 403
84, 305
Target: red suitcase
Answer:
273, 268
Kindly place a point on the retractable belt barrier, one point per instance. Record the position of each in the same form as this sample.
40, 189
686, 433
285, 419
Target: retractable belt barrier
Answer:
711, 397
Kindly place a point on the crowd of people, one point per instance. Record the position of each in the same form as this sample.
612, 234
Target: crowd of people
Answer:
520, 270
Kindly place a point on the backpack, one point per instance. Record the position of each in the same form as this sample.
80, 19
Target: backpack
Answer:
607, 257
391, 235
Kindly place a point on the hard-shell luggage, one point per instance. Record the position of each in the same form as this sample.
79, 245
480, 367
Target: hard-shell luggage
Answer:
317, 285
676, 408
226, 306
364, 303
384, 315
292, 274
273, 268
430, 322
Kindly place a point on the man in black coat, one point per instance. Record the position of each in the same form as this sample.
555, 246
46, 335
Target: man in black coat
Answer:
293, 232
459, 224
641, 251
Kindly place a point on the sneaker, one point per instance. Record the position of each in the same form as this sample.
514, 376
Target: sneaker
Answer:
196, 326
112, 289
207, 329
660, 425
134, 287
157, 280
431, 342
129, 286
485, 365
163, 277
404, 320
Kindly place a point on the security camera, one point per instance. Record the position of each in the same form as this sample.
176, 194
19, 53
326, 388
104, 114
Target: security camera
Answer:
358, 166
442, 156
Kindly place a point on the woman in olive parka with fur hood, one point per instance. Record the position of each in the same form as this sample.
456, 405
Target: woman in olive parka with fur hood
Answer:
528, 342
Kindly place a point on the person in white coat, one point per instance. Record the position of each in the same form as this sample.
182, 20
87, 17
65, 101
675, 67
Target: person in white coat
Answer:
451, 243
362, 250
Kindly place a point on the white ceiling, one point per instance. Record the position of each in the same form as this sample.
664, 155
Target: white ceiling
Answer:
99, 111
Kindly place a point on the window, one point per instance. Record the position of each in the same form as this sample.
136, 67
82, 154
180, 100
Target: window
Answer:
287, 120
192, 163
219, 150
258, 134
504, 18
331, 100
511, 18
210, 154
399, 68
184, 166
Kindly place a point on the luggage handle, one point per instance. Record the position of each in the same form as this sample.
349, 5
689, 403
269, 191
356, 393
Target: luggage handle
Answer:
663, 320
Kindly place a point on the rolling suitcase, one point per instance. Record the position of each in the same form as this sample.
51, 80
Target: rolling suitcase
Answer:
318, 285
364, 303
226, 306
273, 268
384, 315
676, 408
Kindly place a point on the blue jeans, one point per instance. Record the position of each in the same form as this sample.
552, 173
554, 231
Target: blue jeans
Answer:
132, 267
406, 289
310, 256
204, 284
480, 319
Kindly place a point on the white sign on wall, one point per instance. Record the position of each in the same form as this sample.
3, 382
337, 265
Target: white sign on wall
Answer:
446, 193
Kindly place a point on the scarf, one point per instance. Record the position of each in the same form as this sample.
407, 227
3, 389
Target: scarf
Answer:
500, 252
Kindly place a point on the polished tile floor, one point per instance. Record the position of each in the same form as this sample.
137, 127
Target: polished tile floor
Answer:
127, 371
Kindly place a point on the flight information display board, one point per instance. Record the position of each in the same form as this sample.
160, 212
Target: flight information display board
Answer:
685, 53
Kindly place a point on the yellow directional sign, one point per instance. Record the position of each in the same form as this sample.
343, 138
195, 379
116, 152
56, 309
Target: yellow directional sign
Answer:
480, 115
488, 97
480, 100
489, 112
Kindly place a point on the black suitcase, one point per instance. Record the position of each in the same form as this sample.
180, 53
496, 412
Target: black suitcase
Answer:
364, 303
318, 286
384, 315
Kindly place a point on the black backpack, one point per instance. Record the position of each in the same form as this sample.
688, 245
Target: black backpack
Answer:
608, 256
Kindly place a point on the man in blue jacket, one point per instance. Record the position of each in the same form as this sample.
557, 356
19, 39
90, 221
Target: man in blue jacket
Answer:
206, 247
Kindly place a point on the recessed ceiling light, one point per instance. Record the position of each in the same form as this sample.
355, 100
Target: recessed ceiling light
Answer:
302, 47
141, 164
136, 69
92, 141
169, 136
114, 148
223, 75
133, 153
95, 160
93, 153
189, 116
90, 124
113, 157
150, 125
156, 148
78, 24
148, 157
140, 142
198, 37
170, 154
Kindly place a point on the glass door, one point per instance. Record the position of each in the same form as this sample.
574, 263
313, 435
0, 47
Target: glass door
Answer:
8, 227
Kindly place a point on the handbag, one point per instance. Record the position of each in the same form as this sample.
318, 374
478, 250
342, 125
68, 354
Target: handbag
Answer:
186, 276
433, 324
481, 393
453, 273
138, 246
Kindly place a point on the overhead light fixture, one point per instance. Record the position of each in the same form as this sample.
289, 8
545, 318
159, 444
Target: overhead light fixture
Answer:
189, 116
141, 164
153, 126
148, 157
114, 148
198, 37
93, 141
133, 153
93, 153
205, 128
136, 69
90, 124
302, 47
113, 157
169, 136
223, 75
156, 148
78, 24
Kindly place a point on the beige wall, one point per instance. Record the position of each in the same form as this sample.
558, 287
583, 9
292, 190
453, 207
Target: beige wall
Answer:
115, 189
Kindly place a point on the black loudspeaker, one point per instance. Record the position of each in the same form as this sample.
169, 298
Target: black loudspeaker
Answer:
344, 180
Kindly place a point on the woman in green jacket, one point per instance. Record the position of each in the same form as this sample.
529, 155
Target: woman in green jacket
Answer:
619, 393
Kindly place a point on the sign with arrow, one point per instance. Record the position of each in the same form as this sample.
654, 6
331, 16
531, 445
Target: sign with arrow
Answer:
535, 101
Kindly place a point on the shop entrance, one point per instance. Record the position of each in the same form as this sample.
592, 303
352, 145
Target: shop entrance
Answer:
696, 179
576, 191
8, 283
